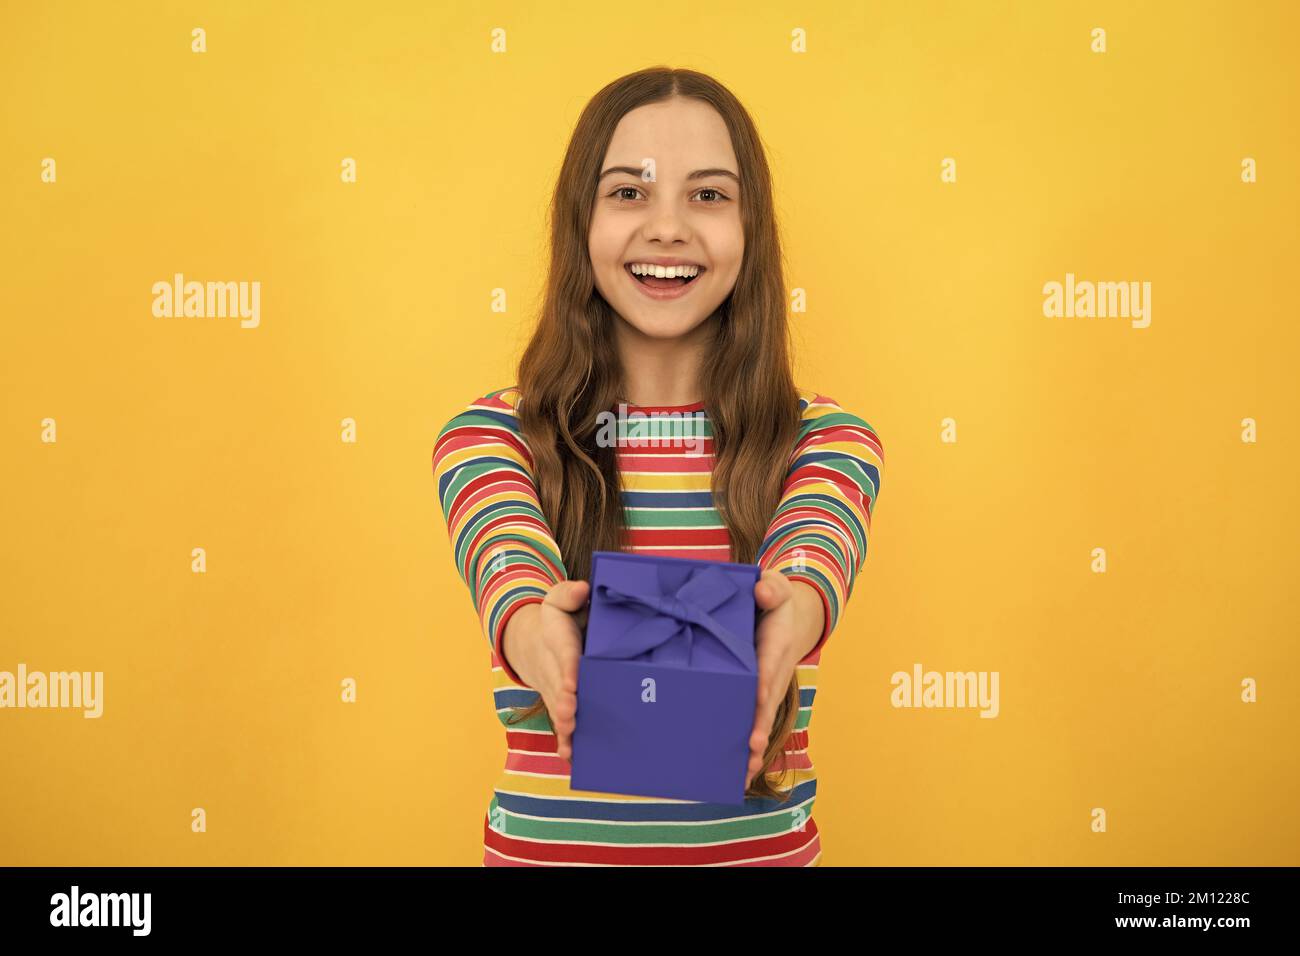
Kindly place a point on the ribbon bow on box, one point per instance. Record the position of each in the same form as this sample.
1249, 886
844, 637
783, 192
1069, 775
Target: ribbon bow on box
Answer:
670, 618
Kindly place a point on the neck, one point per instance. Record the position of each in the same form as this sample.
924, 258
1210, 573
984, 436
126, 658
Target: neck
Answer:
662, 371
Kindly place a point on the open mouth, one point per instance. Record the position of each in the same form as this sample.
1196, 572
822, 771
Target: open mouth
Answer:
655, 282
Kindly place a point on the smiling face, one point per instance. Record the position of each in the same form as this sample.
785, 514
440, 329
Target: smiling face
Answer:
689, 215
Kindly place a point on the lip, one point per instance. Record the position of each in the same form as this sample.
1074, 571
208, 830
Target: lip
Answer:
674, 292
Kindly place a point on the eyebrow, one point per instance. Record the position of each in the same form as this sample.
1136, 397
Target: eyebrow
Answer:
697, 174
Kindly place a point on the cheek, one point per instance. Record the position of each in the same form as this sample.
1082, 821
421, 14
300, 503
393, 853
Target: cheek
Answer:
602, 246
726, 245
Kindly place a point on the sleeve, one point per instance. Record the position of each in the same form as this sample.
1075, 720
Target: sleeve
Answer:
501, 543
819, 533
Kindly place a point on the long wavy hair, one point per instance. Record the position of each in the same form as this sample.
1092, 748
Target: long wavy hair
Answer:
570, 370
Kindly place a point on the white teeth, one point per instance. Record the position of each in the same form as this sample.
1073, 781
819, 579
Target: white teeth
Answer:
664, 272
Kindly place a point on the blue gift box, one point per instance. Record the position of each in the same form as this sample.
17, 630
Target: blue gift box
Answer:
668, 679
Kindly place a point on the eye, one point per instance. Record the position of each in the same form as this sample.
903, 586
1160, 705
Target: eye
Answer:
618, 193
722, 197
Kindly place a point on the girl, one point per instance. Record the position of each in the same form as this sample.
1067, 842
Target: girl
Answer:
666, 296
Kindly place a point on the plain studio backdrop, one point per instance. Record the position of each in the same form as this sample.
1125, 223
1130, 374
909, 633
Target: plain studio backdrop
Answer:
936, 165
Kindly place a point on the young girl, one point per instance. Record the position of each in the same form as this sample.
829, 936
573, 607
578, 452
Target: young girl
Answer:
666, 296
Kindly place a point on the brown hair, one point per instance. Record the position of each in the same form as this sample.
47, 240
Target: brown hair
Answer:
570, 370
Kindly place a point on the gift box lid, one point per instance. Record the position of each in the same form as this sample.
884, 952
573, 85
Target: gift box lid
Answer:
679, 612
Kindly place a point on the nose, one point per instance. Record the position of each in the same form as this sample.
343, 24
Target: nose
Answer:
666, 222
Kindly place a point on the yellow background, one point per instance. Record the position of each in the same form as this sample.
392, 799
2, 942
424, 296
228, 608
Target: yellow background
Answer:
328, 560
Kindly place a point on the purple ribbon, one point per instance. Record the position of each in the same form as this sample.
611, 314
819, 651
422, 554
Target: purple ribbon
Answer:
669, 615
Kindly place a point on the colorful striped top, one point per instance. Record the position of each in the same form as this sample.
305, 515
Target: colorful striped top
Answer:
506, 554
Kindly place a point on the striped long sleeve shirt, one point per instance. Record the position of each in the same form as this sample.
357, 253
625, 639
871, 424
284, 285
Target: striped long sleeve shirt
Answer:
506, 555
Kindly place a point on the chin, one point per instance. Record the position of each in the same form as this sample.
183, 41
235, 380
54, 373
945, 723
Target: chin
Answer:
661, 326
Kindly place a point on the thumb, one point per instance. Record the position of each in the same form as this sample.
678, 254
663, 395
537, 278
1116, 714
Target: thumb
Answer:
568, 595
772, 590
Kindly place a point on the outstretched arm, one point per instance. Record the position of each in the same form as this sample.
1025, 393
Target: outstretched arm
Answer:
502, 545
819, 532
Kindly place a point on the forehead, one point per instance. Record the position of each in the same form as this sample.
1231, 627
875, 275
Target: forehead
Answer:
677, 133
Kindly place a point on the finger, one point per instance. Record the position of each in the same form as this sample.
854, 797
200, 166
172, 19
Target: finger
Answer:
563, 724
762, 731
758, 745
568, 595
772, 590
760, 709
755, 765
564, 740
561, 692
568, 661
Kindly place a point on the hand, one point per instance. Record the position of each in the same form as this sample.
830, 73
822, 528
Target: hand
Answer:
545, 643
790, 623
